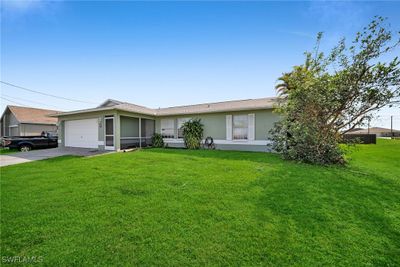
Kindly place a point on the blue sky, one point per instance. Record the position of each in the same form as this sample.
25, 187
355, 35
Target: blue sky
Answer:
161, 54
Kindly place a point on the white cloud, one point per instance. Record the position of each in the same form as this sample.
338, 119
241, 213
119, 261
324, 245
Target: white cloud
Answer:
344, 15
300, 34
21, 6
14, 9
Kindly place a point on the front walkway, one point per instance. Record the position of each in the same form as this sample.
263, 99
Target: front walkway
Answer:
21, 157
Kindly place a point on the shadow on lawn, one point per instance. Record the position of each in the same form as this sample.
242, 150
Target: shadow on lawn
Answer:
339, 207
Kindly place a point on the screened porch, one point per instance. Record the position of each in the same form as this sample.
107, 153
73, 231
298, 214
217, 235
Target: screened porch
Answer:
136, 132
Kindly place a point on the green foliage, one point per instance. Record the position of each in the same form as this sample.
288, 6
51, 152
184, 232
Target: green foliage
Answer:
7, 151
157, 140
193, 133
171, 206
303, 142
330, 95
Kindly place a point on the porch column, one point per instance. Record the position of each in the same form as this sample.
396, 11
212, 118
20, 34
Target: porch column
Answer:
140, 132
117, 132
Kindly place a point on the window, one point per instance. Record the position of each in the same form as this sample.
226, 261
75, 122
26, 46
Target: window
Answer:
240, 127
179, 125
167, 128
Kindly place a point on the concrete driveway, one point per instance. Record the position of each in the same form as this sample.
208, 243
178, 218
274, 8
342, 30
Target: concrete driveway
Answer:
21, 157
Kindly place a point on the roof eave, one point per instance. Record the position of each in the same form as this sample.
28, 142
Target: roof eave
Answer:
214, 111
97, 110
30, 122
137, 112
80, 111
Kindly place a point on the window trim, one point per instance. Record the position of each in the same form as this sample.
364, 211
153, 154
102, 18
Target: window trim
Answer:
233, 127
172, 128
178, 128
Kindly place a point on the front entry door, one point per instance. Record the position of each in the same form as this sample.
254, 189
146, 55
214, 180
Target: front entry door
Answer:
109, 133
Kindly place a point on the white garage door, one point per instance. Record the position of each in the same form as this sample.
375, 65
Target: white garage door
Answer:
81, 133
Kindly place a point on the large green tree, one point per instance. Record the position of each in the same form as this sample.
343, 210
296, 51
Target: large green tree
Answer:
331, 94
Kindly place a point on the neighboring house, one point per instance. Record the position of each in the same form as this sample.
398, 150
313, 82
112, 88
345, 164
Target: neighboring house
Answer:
380, 132
115, 125
23, 121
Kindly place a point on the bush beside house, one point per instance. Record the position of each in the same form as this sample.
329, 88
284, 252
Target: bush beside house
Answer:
193, 133
157, 140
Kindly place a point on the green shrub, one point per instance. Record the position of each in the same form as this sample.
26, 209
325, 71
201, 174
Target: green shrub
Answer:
304, 142
157, 140
193, 133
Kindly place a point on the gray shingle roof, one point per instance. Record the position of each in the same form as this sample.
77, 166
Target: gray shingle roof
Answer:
235, 105
135, 108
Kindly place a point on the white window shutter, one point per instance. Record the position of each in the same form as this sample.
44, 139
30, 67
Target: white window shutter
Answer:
252, 127
228, 127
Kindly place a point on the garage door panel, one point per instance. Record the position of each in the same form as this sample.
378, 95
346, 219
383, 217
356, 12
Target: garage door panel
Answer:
81, 133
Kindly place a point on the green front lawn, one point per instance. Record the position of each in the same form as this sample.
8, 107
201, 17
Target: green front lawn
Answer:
7, 151
180, 208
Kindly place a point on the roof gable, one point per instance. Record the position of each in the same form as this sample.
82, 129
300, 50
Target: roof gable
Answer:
110, 103
33, 115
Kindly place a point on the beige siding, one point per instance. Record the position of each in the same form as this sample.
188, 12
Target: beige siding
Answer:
36, 129
11, 119
7, 121
14, 131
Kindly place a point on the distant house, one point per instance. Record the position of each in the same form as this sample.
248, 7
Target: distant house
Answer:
379, 131
23, 121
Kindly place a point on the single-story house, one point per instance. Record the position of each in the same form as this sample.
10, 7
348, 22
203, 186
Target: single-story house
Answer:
116, 125
379, 131
24, 121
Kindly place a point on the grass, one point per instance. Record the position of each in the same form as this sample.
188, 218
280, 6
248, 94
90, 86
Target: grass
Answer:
4, 151
179, 208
